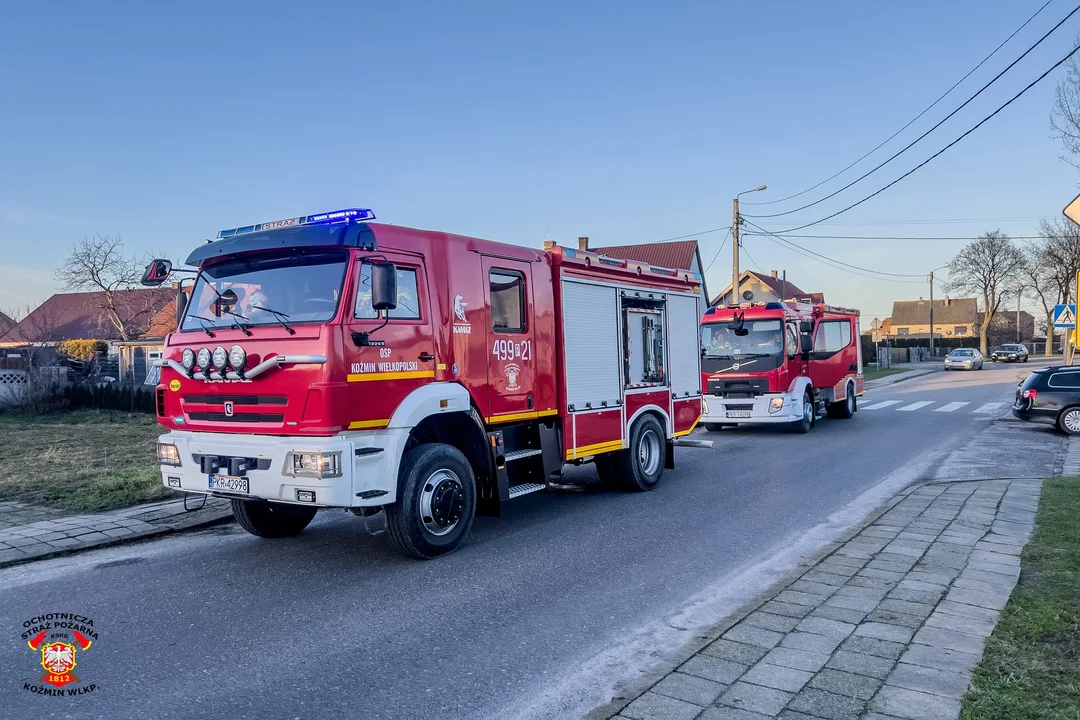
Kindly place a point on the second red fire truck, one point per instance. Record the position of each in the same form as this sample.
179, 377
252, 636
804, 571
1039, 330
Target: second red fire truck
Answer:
779, 363
329, 361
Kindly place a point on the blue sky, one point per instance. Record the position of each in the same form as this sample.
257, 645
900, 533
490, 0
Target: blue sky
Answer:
627, 122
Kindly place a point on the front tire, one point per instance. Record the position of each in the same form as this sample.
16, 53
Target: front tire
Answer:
640, 466
1069, 421
436, 502
803, 426
271, 519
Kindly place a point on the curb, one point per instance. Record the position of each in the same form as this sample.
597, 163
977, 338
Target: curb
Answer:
900, 377
219, 518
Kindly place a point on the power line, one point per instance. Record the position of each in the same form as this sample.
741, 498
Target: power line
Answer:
840, 267
943, 221
694, 235
927, 161
932, 129
819, 256
722, 243
910, 122
752, 260
900, 237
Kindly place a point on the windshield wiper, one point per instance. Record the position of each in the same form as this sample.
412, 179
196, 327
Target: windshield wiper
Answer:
244, 326
203, 321
278, 315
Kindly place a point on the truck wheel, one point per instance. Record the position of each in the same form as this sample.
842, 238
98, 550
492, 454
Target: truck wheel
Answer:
436, 501
605, 468
640, 466
714, 427
803, 426
271, 519
845, 409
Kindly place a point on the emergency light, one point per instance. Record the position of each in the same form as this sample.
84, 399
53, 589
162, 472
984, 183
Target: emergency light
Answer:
326, 218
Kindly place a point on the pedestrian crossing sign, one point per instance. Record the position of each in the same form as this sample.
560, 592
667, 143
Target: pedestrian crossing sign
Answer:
1065, 316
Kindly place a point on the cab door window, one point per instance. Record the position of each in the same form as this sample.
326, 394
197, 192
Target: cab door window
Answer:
408, 296
507, 292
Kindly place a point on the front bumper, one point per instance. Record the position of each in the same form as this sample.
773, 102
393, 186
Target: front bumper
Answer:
955, 365
1006, 358
715, 409
369, 465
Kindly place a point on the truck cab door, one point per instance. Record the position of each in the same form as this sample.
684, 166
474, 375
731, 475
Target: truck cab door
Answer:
401, 356
510, 330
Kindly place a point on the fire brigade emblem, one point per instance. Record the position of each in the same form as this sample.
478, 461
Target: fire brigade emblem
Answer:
512, 371
57, 638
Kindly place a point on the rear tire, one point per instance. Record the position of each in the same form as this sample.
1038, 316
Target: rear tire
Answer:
605, 468
640, 466
845, 409
1069, 421
436, 501
714, 427
272, 519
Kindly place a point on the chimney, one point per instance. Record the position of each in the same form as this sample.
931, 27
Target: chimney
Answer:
773, 274
583, 243
946, 299
920, 298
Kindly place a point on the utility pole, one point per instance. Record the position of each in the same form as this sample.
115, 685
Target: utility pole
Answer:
1018, 318
931, 314
735, 244
735, 251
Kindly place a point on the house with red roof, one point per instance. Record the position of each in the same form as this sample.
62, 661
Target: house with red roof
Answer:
759, 287
678, 255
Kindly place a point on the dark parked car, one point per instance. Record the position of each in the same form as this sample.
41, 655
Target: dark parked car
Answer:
1051, 395
1009, 353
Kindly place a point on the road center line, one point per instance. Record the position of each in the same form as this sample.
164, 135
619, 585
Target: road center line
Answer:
951, 407
988, 407
915, 406
878, 406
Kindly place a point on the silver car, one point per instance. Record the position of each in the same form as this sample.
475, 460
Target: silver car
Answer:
964, 359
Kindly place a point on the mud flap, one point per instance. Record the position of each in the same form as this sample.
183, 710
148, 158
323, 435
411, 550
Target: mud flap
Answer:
669, 455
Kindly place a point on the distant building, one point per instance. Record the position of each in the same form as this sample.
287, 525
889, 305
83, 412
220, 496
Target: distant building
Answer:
678, 255
1003, 328
6, 323
953, 318
754, 287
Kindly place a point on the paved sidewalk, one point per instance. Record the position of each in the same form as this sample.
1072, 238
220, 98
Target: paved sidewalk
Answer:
912, 371
28, 532
888, 625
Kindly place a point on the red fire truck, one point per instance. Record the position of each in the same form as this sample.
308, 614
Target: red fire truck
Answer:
783, 363
329, 361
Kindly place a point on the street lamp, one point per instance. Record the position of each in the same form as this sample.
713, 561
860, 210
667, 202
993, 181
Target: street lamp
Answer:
932, 308
735, 244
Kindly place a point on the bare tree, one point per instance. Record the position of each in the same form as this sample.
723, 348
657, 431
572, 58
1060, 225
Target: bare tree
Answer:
100, 264
1050, 265
1065, 114
988, 268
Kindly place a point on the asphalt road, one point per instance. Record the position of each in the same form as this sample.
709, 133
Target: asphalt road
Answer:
541, 614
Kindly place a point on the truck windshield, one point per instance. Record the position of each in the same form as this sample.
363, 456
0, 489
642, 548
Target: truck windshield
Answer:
764, 337
263, 289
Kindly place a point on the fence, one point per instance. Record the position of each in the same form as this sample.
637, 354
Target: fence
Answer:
14, 386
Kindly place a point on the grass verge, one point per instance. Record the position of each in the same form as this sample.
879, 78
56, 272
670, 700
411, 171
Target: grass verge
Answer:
1031, 666
84, 460
875, 373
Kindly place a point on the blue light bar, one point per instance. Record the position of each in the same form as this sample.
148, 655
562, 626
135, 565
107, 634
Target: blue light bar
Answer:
327, 218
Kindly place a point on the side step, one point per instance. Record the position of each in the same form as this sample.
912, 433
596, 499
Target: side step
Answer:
519, 454
525, 488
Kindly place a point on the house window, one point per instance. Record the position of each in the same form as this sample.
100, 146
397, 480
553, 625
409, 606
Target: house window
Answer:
960, 330
408, 298
507, 300
901, 331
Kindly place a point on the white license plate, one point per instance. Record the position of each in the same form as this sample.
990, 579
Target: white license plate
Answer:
738, 413
229, 484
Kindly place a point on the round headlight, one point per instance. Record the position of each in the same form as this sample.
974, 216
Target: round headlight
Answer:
221, 358
202, 359
237, 357
187, 359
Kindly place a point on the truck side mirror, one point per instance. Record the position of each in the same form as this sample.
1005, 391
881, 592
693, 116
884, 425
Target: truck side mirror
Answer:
181, 305
806, 327
806, 343
157, 272
383, 286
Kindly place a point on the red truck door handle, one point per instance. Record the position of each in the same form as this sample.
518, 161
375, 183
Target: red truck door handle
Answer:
426, 357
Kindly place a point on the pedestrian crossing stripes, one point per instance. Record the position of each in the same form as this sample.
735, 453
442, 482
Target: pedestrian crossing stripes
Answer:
951, 407
990, 408
880, 405
915, 406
